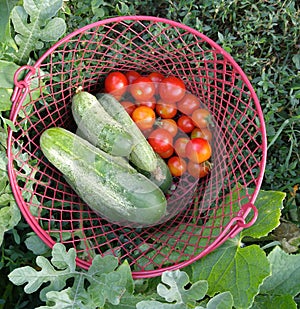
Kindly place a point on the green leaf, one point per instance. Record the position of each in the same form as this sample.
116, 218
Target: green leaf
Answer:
269, 205
7, 71
35, 279
42, 10
6, 7
285, 274
63, 259
177, 281
61, 300
220, 301
174, 290
9, 216
42, 27
274, 301
5, 102
237, 270
36, 245
53, 30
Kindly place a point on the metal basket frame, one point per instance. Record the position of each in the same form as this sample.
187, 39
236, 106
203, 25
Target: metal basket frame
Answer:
210, 73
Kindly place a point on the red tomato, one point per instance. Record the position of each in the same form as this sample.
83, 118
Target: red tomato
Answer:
188, 104
198, 170
169, 125
161, 140
156, 78
180, 145
185, 123
132, 76
165, 110
116, 84
144, 117
166, 154
150, 103
201, 117
142, 89
177, 166
171, 89
129, 106
203, 133
198, 150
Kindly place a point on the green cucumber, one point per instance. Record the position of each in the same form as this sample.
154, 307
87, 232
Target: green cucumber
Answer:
98, 127
161, 176
142, 155
107, 184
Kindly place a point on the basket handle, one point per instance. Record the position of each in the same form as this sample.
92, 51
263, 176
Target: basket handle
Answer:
236, 224
21, 86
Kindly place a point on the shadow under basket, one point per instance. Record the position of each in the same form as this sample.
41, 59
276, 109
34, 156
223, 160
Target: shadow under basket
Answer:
215, 208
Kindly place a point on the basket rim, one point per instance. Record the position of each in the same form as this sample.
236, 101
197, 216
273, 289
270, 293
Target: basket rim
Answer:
17, 106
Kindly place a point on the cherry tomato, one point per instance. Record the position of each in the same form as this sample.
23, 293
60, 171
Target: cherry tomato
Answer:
177, 166
188, 104
171, 89
180, 145
166, 154
144, 117
198, 150
132, 76
201, 117
165, 110
142, 89
169, 125
185, 123
150, 103
198, 170
156, 78
161, 140
203, 133
129, 106
116, 84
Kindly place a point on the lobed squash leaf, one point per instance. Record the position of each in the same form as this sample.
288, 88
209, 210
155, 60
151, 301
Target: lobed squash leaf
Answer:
107, 281
179, 293
34, 24
285, 274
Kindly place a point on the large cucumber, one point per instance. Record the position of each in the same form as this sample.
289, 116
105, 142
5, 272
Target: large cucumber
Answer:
98, 127
142, 154
108, 184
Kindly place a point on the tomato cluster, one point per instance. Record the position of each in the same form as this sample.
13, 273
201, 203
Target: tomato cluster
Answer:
172, 119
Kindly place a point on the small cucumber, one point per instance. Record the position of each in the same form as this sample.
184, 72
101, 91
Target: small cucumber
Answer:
161, 176
142, 155
108, 184
98, 127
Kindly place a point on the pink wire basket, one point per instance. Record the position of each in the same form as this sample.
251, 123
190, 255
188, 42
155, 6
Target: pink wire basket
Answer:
218, 206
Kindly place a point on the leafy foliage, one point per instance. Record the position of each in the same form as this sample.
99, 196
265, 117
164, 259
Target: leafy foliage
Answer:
43, 26
285, 274
106, 283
